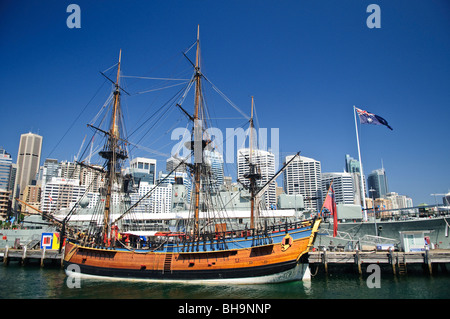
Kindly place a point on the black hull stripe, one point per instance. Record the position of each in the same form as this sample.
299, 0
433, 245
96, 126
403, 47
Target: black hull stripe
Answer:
234, 273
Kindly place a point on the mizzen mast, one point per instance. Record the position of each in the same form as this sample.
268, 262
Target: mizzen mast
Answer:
253, 175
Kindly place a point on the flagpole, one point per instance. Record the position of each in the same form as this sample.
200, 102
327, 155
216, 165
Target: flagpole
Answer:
362, 189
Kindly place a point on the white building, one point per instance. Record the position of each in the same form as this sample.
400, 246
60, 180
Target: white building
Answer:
265, 161
343, 187
159, 200
61, 193
303, 176
399, 201
143, 169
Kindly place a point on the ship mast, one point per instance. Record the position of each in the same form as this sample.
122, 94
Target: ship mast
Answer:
112, 152
198, 138
253, 174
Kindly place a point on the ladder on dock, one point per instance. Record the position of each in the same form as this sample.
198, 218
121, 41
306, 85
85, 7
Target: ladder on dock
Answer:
402, 265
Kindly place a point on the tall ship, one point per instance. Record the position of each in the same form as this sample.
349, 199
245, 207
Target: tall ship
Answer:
205, 247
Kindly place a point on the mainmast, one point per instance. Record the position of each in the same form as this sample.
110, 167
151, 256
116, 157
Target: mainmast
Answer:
113, 153
198, 138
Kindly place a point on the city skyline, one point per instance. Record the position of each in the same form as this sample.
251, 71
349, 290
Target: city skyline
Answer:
306, 64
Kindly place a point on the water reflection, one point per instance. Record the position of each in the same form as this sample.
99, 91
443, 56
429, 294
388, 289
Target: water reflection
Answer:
34, 282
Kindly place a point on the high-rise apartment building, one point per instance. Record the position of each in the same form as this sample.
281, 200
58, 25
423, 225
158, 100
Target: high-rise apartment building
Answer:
303, 176
353, 167
50, 169
5, 169
28, 159
399, 201
215, 160
159, 200
342, 185
32, 196
70, 170
265, 162
61, 193
172, 162
377, 181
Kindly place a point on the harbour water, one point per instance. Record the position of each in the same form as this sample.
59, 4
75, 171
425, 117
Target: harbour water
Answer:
34, 282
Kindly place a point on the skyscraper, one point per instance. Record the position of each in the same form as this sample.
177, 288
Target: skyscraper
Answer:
265, 161
215, 160
172, 162
353, 167
377, 181
50, 169
28, 159
303, 176
5, 169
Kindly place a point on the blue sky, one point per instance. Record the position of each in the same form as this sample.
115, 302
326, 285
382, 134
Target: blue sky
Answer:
305, 62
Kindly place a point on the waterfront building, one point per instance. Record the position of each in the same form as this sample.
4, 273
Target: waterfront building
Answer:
143, 170
5, 169
265, 162
343, 187
92, 179
28, 160
215, 161
353, 167
61, 193
32, 196
176, 178
13, 180
377, 181
70, 170
303, 176
159, 201
50, 169
399, 201
172, 162
4, 203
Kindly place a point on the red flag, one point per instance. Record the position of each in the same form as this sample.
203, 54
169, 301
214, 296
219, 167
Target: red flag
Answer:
330, 204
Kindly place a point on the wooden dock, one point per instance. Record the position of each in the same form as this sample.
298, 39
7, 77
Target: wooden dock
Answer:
24, 255
395, 261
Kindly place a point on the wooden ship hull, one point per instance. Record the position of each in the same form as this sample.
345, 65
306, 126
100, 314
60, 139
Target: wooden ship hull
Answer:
276, 257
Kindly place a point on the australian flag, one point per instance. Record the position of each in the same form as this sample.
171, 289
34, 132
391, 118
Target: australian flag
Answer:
370, 118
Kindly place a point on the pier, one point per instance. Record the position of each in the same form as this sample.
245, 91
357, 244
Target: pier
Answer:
24, 255
396, 262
